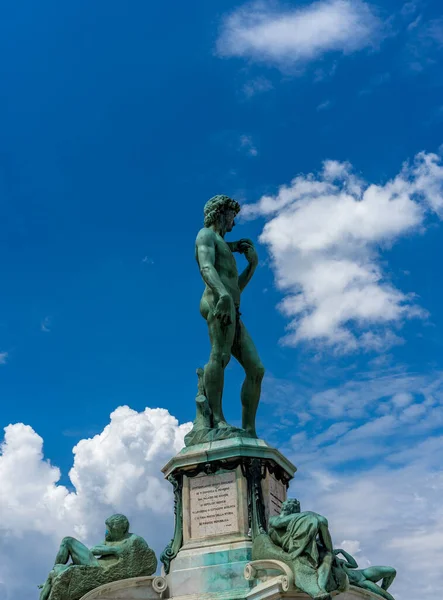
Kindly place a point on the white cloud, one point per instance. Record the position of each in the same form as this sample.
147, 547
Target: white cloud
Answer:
435, 31
325, 234
425, 40
362, 435
415, 23
115, 471
408, 9
3, 357
256, 86
290, 38
402, 399
324, 105
46, 324
247, 145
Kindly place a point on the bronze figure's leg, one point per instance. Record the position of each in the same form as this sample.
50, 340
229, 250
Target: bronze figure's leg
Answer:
375, 573
324, 571
373, 587
221, 338
70, 548
245, 352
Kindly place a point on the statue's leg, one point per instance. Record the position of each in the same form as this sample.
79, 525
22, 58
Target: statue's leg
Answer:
388, 578
46, 590
221, 338
373, 587
70, 548
324, 571
375, 573
245, 352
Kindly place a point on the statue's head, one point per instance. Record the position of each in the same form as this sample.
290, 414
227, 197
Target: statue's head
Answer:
223, 210
290, 506
117, 527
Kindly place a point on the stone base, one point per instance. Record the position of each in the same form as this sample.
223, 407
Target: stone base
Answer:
353, 593
221, 580
274, 580
356, 593
136, 588
215, 571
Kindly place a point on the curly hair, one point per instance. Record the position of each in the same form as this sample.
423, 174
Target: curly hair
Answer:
216, 205
290, 506
118, 521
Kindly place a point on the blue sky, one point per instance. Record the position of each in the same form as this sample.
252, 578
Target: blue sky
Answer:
118, 122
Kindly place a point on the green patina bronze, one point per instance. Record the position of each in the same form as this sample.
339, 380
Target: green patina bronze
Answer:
220, 307
171, 550
303, 542
122, 555
367, 578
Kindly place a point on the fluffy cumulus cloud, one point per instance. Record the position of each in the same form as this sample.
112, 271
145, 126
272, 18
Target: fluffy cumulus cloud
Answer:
325, 233
115, 471
292, 37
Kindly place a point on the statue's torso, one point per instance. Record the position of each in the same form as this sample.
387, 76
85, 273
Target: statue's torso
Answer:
226, 267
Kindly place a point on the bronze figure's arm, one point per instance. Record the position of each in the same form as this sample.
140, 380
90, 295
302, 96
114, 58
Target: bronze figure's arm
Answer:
246, 247
351, 562
105, 550
205, 250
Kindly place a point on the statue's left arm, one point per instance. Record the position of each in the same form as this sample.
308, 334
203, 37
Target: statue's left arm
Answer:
105, 550
246, 247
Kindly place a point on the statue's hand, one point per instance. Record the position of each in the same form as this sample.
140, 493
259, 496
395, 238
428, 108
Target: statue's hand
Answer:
224, 310
246, 247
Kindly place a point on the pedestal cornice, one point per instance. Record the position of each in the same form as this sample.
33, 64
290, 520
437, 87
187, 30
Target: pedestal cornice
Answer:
226, 450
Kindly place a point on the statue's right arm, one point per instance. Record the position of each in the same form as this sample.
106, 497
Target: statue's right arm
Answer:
206, 260
351, 562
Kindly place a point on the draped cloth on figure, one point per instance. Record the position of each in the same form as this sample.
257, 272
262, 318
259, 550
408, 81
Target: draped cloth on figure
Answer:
297, 535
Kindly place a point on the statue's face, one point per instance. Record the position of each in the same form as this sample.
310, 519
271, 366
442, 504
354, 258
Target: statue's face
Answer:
229, 216
113, 531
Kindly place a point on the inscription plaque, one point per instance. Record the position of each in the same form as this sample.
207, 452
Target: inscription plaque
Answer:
214, 505
274, 494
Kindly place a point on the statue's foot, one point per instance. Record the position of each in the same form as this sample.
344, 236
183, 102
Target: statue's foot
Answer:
221, 424
251, 431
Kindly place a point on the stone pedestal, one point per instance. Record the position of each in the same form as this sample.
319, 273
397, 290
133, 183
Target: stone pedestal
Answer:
353, 593
220, 491
136, 588
274, 580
